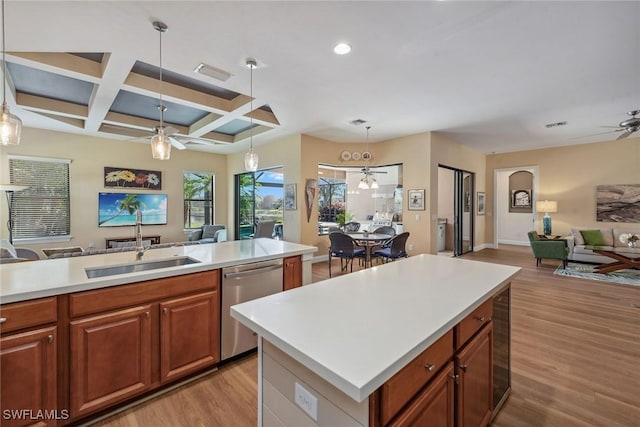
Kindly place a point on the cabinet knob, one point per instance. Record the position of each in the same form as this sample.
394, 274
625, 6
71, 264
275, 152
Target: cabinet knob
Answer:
49, 338
429, 367
464, 368
3, 319
165, 311
480, 319
147, 314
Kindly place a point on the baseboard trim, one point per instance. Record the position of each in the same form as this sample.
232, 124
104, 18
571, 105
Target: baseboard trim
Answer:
513, 242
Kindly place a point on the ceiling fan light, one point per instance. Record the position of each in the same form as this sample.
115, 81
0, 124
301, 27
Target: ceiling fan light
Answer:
10, 127
251, 161
160, 146
363, 185
374, 184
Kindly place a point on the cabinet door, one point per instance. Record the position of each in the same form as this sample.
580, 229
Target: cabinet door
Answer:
292, 272
28, 382
189, 334
474, 367
432, 407
110, 358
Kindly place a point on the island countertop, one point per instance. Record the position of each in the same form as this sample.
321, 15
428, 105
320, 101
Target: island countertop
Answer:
357, 330
35, 279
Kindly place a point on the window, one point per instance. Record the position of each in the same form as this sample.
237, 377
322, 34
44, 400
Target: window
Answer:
42, 211
198, 199
259, 197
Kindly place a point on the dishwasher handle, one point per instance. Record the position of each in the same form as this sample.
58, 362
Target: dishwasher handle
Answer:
251, 272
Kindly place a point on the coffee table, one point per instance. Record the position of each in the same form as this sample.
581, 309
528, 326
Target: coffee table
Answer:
622, 261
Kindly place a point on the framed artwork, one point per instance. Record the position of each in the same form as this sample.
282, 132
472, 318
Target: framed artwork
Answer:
521, 199
290, 202
480, 203
618, 203
119, 209
132, 178
416, 200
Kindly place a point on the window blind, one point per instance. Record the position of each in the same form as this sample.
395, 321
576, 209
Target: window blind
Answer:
43, 209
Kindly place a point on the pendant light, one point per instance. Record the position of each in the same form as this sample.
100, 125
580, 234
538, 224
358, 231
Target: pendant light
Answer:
10, 124
251, 158
160, 145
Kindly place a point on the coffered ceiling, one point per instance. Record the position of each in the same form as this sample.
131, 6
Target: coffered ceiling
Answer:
490, 75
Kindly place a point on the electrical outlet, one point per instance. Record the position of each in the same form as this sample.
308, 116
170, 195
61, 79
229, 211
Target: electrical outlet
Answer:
417, 217
410, 247
307, 401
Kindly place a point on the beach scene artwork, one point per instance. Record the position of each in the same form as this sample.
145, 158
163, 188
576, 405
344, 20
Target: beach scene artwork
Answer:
119, 209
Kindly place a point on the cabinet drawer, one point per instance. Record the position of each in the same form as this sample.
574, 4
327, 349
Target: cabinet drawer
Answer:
26, 314
401, 388
127, 295
473, 322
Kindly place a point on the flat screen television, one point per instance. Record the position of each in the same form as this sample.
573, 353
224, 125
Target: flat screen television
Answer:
119, 209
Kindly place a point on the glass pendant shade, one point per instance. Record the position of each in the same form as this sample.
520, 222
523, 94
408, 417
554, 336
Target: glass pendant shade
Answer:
363, 184
10, 127
374, 184
251, 161
160, 146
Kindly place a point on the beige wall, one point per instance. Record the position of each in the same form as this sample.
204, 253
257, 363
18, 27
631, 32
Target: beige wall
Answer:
89, 155
570, 175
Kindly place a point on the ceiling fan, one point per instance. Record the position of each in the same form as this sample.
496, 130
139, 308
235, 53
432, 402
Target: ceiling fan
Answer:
628, 126
367, 171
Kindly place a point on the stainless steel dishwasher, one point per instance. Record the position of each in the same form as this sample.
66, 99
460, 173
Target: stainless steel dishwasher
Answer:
243, 283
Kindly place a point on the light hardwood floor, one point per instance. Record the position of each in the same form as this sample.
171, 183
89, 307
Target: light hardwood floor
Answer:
575, 359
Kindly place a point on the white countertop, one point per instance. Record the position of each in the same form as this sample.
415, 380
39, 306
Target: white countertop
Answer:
357, 330
28, 280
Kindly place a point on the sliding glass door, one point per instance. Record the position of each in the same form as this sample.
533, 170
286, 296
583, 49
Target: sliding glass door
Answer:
259, 196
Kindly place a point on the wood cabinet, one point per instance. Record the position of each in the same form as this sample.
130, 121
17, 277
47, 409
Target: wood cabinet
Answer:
170, 329
189, 334
292, 272
474, 369
28, 363
110, 358
434, 406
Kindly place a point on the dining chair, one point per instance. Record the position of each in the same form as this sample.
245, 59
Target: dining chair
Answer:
264, 229
385, 229
396, 248
344, 247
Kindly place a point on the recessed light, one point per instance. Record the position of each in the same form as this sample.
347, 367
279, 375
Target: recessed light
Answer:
342, 49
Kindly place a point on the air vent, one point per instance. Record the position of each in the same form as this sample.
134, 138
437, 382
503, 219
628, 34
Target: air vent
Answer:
213, 72
553, 125
358, 122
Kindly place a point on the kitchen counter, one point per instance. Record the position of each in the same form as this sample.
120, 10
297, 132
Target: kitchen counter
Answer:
36, 279
357, 330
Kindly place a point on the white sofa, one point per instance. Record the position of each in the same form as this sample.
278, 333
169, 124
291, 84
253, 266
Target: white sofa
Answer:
578, 251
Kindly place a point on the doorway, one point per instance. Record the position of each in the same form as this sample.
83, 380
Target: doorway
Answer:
259, 196
456, 205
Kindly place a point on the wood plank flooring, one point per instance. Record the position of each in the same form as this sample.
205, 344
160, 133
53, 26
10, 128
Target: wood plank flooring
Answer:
575, 359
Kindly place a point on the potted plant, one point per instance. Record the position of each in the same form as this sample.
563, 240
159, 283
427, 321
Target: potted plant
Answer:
343, 217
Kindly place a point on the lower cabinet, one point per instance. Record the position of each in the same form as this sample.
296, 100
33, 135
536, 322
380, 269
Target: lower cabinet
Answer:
434, 406
110, 358
292, 272
28, 365
189, 335
474, 368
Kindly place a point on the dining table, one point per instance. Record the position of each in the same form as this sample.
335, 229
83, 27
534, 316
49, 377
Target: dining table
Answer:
368, 241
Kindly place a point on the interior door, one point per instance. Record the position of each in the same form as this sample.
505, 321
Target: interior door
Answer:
464, 189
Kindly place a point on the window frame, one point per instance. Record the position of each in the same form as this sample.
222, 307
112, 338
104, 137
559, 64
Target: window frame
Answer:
187, 201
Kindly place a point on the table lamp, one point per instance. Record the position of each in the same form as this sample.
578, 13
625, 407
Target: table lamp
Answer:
9, 189
547, 207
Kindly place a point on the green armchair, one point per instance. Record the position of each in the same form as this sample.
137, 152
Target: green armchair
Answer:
548, 248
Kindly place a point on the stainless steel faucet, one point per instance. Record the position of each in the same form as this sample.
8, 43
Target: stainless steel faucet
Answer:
139, 248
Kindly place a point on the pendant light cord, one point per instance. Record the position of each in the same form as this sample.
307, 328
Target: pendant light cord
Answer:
161, 106
251, 103
4, 61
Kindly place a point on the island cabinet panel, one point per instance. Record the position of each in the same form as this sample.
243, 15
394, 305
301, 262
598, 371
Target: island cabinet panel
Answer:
28, 369
292, 272
27, 314
110, 358
401, 388
474, 369
473, 322
189, 334
434, 406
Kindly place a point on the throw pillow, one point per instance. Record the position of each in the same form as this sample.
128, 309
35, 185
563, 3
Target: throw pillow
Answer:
7, 250
592, 237
209, 231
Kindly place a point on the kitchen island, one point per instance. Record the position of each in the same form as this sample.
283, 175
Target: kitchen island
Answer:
84, 334
343, 351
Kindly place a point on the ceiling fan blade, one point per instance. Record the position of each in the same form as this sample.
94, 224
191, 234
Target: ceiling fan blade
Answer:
179, 145
624, 135
596, 134
170, 130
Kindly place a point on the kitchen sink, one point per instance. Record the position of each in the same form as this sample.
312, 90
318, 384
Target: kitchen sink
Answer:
138, 266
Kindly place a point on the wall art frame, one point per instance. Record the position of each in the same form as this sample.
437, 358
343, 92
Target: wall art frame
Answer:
415, 199
290, 198
521, 199
480, 202
132, 178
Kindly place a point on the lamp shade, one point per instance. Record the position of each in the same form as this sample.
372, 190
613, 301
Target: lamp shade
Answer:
547, 206
160, 146
10, 127
251, 161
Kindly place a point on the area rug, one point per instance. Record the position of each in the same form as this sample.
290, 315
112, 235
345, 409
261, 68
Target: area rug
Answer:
585, 271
